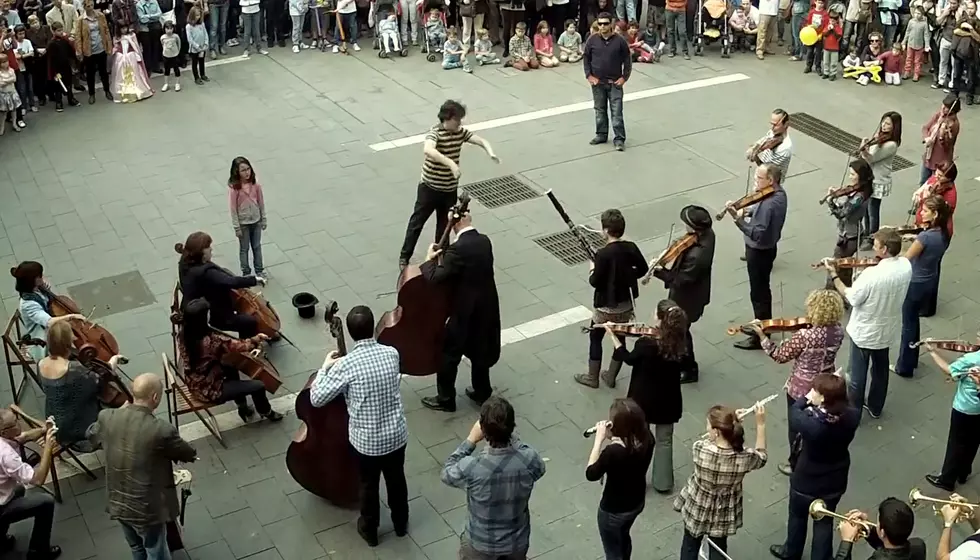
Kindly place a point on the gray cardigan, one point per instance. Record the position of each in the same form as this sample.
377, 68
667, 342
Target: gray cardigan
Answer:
881, 158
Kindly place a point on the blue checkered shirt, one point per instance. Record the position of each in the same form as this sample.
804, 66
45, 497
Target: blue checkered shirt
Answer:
369, 378
498, 484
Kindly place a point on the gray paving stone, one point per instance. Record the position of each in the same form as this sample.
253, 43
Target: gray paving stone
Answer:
243, 533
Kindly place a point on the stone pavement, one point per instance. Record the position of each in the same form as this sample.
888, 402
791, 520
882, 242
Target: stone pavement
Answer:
105, 190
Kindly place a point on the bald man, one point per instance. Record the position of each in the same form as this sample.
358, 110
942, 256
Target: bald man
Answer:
15, 474
140, 450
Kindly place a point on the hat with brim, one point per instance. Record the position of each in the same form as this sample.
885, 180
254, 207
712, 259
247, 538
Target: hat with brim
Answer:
696, 217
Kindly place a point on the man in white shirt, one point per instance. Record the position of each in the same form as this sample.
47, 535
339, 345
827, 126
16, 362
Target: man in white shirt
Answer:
781, 154
876, 298
768, 14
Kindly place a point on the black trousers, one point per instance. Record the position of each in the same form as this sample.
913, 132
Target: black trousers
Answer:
21, 506
277, 21
595, 342
689, 363
392, 466
845, 248
427, 201
152, 50
758, 263
245, 325
197, 65
452, 354
54, 88
234, 388
961, 447
97, 63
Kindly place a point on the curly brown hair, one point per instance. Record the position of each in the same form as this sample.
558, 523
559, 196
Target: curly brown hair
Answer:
673, 330
824, 308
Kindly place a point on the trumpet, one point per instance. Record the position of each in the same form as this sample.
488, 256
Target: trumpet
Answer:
818, 510
966, 510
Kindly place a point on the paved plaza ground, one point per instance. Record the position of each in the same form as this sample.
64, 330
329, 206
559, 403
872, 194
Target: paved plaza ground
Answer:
105, 190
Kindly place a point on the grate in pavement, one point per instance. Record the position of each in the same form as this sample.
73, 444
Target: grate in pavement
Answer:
500, 191
834, 137
112, 294
565, 246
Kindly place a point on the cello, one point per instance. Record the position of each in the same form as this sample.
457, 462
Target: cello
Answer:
85, 331
255, 365
247, 302
320, 458
113, 393
416, 327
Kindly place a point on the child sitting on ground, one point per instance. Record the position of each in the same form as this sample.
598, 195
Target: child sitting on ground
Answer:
452, 52
570, 44
892, 64
851, 60
435, 30
483, 48
521, 51
544, 46
652, 42
744, 27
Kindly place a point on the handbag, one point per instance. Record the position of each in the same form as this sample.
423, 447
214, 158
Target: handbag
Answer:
467, 9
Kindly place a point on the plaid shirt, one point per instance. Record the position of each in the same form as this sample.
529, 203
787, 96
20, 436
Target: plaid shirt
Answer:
711, 501
521, 48
369, 378
498, 484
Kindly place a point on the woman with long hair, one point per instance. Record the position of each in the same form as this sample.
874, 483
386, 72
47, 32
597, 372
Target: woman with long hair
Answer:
941, 183
711, 501
207, 377
655, 384
925, 254
35, 305
880, 153
826, 424
850, 211
624, 463
201, 278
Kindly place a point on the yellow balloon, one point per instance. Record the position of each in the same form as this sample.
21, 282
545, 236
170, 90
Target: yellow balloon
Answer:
808, 36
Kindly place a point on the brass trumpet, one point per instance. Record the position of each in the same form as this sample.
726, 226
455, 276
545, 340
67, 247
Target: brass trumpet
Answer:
818, 510
967, 510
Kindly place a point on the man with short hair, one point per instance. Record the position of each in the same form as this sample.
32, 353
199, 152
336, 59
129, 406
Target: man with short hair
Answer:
15, 503
440, 174
889, 539
498, 483
140, 450
767, 150
369, 378
876, 299
607, 63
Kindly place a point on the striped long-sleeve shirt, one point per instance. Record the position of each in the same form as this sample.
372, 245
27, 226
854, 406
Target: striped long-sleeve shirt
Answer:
780, 156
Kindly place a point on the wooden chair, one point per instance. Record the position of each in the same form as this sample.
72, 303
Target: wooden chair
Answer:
16, 354
56, 453
180, 401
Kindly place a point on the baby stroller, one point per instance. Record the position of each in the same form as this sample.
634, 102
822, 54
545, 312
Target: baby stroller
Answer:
386, 37
432, 51
711, 24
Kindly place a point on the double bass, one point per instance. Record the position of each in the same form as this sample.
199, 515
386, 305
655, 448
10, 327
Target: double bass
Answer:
417, 325
319, 458
84, 331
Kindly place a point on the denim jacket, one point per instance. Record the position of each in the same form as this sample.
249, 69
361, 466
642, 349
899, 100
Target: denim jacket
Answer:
148, 11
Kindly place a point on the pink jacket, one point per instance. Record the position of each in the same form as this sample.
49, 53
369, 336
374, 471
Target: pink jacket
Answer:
247, 205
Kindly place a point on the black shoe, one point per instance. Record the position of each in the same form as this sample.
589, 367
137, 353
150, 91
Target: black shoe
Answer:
689, 377
370, 536
7, 543
74, 103
199, 82
619, 146
245, 412
108, 96
59, 107
205, 79
806, 70
50, 554
282, 43
79, 87
42, 102
402, 263
273, 416
938, 483
435, 403
91, 100
270, 43
749, 343
401, 530
598, 140
825, 76
872, 413
477, 397
742, 258
777, 551
962, 479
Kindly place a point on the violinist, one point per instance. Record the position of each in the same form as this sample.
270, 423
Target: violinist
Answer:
614, 274
880, 152
207, 378
850, 210
876, 298
939, 136
473, 328
688, 280
776, 147
35, 304
943, 184
762, 226
201, 278
812, 350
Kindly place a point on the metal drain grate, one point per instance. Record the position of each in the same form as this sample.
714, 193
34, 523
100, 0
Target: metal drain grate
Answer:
500, 191
565, 246
834, 137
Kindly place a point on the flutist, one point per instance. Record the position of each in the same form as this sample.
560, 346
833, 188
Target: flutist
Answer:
889, 539
970, 548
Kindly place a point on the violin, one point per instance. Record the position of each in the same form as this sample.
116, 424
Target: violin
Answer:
849, 262
319, 458
747, 200
770, 326
846, 190
906, 230
770, 144
626, 329
960, 346
878, 139
255, 365
84, 332
670, 255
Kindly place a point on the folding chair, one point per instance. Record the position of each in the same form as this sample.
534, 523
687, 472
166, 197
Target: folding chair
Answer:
180, 401
16, 355
56, 453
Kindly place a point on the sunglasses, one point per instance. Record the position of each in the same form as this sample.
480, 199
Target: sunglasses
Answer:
603, 22
875, 40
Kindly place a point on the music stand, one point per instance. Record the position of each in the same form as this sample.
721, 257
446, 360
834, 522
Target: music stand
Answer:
710, 551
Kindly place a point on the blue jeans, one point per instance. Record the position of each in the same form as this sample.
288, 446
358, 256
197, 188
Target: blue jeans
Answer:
219, 21
691, 544
924, 174
611, 96
349, 22
614, 532
858, 363
253, 31
822, 546
917, 296
251, 237
676, 30
625, 10
872, 217
149, 543
797, 22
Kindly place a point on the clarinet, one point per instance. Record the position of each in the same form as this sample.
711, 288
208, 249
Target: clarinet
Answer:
571, 226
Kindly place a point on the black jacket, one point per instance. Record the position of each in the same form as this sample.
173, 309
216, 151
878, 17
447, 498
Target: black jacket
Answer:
824, 462
474, 322
689, 280
618, 265
914, 549
655, 384
213, 283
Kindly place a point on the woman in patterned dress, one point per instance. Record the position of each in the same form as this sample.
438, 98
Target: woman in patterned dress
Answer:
812, 350
711, 502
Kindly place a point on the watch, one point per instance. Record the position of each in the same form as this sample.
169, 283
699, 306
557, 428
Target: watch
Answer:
948, 524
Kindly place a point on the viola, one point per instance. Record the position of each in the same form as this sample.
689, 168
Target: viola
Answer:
416, 327
627, 329
770, 326
247, 302
849, 262
670, 254
255, 365
84, 332
960, 346
747, 200
319, 458
846, 190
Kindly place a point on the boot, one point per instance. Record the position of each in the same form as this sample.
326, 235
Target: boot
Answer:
609, 376
590, 379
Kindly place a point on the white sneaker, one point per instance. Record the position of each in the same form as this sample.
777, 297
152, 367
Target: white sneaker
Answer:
165, 87
296, 49
263, 51
232, 43
357, 48
336, 49
303, 46
245, 54
177, 87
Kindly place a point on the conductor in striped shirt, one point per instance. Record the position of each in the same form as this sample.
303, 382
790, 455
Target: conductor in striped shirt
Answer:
440, 174
781, 153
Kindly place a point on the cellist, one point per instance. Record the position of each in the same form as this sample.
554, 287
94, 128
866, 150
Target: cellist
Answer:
688, 281
35, 305
201, 278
